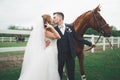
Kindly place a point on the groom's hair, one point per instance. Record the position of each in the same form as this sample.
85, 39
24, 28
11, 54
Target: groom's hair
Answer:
59, 13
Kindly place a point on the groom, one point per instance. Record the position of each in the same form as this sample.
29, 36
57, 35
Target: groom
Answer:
66, 50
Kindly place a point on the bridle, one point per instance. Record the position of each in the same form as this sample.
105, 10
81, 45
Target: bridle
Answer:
98, 25
100, 30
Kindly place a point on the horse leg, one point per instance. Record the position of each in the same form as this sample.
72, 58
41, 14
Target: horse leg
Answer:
81, 64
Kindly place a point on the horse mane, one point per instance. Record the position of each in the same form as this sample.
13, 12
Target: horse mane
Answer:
78, 19
80, 22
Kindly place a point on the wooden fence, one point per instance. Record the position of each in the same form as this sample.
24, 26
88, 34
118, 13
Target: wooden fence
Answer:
115, 41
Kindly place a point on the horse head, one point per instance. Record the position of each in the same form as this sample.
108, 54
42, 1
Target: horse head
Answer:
98, 23
92, 19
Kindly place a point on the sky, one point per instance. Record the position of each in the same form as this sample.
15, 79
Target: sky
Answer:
25, 13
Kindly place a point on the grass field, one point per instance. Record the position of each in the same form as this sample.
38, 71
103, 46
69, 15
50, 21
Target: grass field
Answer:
11, 53
103, 65
98, 66
12, 44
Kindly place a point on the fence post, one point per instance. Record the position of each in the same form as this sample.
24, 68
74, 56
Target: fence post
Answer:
118, 42
104, 44
2, 39
112, 41
10, 39
92, 40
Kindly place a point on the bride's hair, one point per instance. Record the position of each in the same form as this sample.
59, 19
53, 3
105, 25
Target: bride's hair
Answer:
47, 19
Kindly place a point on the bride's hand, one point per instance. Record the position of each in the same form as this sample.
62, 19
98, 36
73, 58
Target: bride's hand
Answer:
48, 26
47, 43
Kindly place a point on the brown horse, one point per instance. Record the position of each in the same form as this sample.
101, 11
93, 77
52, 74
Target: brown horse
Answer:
90, 19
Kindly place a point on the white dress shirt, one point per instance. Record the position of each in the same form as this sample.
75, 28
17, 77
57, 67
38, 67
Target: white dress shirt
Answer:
62, 28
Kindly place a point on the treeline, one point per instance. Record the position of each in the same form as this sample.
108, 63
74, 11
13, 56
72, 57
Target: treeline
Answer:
15, 28
90, 31
115, 32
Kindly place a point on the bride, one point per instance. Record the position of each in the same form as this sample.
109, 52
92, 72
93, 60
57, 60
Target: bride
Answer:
40, 58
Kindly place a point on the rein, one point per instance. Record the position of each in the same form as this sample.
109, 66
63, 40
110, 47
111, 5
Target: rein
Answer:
95, 43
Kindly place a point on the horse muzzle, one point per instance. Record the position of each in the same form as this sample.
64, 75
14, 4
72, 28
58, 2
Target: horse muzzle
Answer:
106, 33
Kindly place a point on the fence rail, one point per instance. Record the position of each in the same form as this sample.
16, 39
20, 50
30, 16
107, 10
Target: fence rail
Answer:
10, 39
102, 42
15, 32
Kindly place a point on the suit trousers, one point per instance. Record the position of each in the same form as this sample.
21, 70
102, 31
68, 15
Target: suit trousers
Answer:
66, 58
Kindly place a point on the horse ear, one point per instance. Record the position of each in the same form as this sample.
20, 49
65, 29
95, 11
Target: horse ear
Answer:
97, 9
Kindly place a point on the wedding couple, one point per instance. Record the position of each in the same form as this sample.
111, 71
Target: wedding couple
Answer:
49, 49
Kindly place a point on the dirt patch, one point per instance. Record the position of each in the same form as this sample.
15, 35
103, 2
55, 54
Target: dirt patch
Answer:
8, 61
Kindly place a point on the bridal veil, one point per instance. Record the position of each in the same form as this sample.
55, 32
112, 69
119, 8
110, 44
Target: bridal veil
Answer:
35, 45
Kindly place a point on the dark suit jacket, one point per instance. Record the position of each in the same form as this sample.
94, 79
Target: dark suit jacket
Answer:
72, 34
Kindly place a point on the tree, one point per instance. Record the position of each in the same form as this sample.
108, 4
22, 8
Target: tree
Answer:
91, 31
113, 28
13, 27
115, 32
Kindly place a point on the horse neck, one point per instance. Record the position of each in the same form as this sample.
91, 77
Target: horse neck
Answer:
82, 30
81, 23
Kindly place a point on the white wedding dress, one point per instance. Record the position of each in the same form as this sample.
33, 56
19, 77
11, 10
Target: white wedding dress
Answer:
40, 62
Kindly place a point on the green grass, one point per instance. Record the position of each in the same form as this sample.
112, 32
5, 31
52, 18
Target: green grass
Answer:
12, 44
98, 66
10, 74
11, 53
103, 65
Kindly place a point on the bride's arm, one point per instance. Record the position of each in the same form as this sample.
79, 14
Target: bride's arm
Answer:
50, 32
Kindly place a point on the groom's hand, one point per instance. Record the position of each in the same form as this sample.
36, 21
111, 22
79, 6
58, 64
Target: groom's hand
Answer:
93, 45
47, 43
